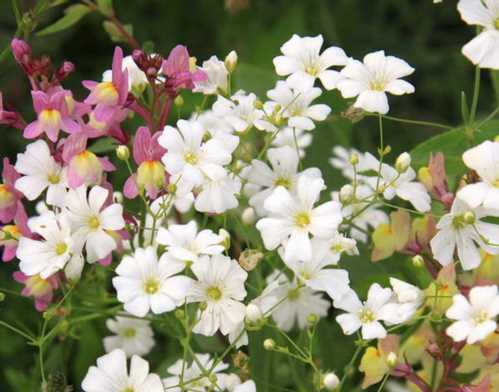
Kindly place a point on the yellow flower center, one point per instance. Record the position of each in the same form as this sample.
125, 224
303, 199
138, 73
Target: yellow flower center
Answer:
214, 293
151, 286
107, 93
496, 183
53, 178
61, 248
461, 220
281, 181
293, 294
129, 333
50, 117
377, 85
93, 222
10, 232
366, 316
312, 70
191, 158
481, 317
496, 23
302, 219
129, 389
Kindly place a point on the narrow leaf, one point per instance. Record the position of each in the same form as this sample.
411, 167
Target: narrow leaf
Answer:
72, 15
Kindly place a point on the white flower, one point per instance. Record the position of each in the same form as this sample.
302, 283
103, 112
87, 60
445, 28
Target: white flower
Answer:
484, 159
40, 172
462, 228
144, 283
315, 274
302, 60
220, 284
293, 218
240, 111
292, 137
483, 50
476, 318
217, 81
136, 77
365, 316
53, 251
298, 302
218, 192
341, 160
262, 180
91, 220
406, 300
247, 386
392, 183
192, 374
295, 103
371, 80
329, 251
188, 155
111, 375
185, 245
133, 336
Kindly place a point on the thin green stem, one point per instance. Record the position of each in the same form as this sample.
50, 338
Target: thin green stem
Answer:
30, 338
414, 122
348, 367
382, 385
476, 93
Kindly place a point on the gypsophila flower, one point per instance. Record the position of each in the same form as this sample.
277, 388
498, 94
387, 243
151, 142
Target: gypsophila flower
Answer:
133, 336
240, 111
217, 81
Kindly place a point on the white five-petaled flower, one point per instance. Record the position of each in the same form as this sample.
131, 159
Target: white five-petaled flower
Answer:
462, 228
484, 159
144, 283
133, 336
188, 155
111, 375
262, 180
302, 60
220, 285
217, 81
239, 111
483, 50
53, 251
137, 79
476, 318
92, 220
218, 192
185, 244
292, 101
293, 218
365, 316
40, 171
192, 374
406, 300
296, 138
371, 79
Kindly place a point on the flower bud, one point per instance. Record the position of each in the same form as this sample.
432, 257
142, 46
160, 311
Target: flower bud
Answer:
20, 49
312, 319
203, 306
180, 314
346, 194
171, 188
258, 104
123, 152
354, 159
269, 344
2, 296
418, 261
64, 70
178, 101
253, 313
330, 381
403, 162
469, 217
231, 61
249, 259
248, 216
224, 234
391, 359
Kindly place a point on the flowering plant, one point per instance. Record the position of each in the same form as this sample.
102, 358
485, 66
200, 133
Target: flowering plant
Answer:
195, 233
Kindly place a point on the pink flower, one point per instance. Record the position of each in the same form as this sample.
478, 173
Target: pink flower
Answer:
40, 289
21, 51
84, 167
10, 234
9, 196
110, 93
178, 71
53, 115
150, 174
105, 121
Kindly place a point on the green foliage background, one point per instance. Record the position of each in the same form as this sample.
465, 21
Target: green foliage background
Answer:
429, 37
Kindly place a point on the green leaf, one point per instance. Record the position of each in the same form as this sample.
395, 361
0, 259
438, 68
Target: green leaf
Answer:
106, 7
72, 15
17, 13
452, 144
114, 33
104, 145
252, 78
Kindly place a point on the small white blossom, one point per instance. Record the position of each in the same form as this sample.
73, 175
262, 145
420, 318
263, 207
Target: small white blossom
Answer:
133, 336
239, 111
218, 192
137, 79
293, 137
217, 81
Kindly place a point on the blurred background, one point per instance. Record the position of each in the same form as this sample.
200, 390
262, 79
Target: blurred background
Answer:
427, 36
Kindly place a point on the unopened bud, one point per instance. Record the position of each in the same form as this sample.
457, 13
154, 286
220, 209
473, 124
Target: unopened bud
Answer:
2, 296
248, 216
203, 306
418, 261
403, 162
387, 150
469, 217
330, 381
496, 139
249, 259
64, 70
180, 314
269, 344
118, 197
123, 152
346, 193
253, 313
20, 50
258, 104
391, 359
354, 159
224, 234
231, 61
312, 319
171, 188
178, 101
